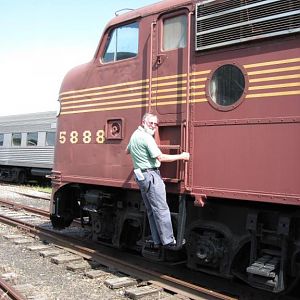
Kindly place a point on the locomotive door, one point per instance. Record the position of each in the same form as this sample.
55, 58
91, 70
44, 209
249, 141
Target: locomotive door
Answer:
169, 86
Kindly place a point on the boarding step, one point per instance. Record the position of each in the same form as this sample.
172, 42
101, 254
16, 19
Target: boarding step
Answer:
152, 253
265, 266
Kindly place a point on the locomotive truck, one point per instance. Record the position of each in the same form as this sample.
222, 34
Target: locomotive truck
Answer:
223, 78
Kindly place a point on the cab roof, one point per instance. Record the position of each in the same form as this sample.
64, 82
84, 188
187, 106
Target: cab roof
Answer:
159, 7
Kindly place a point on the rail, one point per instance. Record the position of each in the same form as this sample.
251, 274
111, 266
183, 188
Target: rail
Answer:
89, 251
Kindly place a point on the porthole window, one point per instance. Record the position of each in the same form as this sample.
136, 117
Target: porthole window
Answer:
226, 87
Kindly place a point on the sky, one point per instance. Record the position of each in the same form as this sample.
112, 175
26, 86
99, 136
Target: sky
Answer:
40, 40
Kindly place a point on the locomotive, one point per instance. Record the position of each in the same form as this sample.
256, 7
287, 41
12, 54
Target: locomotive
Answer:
223, 78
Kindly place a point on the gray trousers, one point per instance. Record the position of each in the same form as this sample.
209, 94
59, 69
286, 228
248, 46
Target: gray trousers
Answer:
153, 192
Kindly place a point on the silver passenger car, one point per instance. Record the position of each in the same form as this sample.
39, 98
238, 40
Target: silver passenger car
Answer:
27, 146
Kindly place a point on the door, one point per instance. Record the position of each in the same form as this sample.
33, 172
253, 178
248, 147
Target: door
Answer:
169, 86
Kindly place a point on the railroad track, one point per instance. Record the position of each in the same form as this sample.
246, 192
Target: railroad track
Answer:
128, 264
8, 292
46, 198
89, 251
17, 206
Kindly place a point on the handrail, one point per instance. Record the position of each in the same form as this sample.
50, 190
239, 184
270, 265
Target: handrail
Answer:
187, 126
150, 66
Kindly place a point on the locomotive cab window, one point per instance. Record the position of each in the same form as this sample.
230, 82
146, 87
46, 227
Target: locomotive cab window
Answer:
226, 87
175, 33
16, 139
122, 43
1, 139
32, 138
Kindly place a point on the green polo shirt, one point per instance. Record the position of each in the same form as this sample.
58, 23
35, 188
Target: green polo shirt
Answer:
143, 150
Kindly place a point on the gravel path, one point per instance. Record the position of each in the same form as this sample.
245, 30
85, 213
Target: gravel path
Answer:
49, 281
10, 192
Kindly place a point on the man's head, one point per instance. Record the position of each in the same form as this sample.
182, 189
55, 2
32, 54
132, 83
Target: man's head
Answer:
150, 123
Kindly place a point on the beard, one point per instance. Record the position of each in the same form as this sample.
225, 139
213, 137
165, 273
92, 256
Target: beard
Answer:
149, 130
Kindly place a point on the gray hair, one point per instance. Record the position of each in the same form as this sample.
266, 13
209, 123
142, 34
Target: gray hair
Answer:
147, 115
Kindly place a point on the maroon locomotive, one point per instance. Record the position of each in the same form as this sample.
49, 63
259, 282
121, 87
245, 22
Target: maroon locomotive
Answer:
223, 78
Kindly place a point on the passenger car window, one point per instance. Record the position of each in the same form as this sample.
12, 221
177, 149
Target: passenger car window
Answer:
50, 138
1, 139
122, 43
175, 33
16, 139
32, 139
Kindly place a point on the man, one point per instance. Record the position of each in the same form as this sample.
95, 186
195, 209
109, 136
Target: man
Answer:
147, 157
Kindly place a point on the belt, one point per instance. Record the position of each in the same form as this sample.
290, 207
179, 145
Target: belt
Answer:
149, 169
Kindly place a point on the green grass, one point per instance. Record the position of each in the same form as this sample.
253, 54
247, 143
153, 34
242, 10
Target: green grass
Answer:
45, 189
40, 188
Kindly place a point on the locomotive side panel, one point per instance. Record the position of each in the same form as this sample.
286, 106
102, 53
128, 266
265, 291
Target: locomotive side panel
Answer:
248, 149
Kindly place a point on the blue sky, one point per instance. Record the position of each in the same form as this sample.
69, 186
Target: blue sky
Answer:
41, 40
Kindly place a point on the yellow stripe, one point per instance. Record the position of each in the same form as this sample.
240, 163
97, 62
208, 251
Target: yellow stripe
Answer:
104, 109
107, 92
105, 103
197, 93
199, 100
131, 100
66, 103
176, 102
274, 62
106, 86
274, 70
274, 78
170, 96
124, 90
168, 77
198, 79
200, 72
124, 101
274, 86
180, 102
200, 86
157, 82
273, 94
160, 103
134, 83
183, 88
105, 98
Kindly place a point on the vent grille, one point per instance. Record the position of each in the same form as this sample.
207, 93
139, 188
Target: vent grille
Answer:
222, 23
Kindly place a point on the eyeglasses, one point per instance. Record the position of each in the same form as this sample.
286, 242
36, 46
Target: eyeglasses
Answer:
153, 124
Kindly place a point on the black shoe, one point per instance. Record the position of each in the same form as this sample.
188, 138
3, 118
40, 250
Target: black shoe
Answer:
171, 246
156, 246
150, 243
174, 246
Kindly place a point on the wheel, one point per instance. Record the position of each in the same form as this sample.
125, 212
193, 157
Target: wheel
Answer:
22, 178
60, 222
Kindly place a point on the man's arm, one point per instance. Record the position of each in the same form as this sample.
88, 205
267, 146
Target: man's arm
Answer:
173, 157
